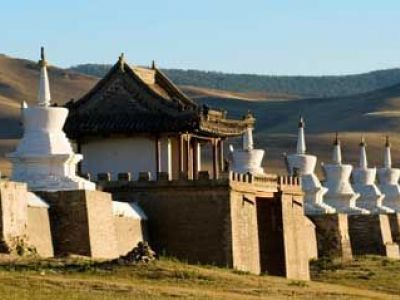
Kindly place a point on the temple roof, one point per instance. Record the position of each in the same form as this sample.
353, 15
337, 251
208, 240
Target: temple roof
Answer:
133, 100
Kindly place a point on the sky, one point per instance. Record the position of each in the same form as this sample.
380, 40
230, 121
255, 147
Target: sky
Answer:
277, 37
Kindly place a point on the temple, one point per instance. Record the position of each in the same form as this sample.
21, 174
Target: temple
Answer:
340, 193
136, 120
388, 178
371, 198
303, 165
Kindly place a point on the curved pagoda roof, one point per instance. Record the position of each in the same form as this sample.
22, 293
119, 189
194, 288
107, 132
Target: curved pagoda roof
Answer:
131, 100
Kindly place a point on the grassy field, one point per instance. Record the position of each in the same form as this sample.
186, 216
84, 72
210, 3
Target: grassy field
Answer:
369, 273
365, 278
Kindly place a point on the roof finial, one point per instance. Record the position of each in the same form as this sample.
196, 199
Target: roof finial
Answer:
121, 61
387, 142
336, 141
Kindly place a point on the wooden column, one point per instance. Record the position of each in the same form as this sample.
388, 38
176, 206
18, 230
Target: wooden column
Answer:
79, 150
221, 155
198, 157
180, 154
215, 158
188, 158
158, 156
195, 159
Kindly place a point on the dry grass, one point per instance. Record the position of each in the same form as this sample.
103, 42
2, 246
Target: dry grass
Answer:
164, 279
366, 272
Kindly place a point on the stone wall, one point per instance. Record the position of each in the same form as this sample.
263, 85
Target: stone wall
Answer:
199, 221
190, 223
13, 211
38, 231
82, 223
333, 236
370, 234
394, 220
245, 239
103, 240
295, 237
129, 231
312, 247
224, 222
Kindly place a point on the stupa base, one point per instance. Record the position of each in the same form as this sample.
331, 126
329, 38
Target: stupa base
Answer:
346, 204
318, 209
392, 203
374, 206
314, 204
55, 183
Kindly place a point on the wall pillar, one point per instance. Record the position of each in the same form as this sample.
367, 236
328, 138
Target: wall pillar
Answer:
180, 154
166, 156
195, 158
215, 158
198, 156
370, 234
221, 155
189, 157
158, 156
79, 150
332, 233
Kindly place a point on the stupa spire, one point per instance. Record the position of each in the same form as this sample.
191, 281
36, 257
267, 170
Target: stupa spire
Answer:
387, 155
44, 86
248, 139
337, 151
301, 142
363, 154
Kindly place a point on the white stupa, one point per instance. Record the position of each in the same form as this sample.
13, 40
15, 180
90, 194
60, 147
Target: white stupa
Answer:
303, 165
340, 193
388, 178
247, 159
371, 198
44, 158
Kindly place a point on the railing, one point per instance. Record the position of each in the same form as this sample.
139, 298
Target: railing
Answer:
150, 179
266, 180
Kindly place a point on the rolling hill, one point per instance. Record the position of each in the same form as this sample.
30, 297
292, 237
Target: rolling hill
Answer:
305, 86
374, 113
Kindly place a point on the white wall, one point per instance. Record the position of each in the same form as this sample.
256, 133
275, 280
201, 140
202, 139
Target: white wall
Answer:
166, 156
117, 155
